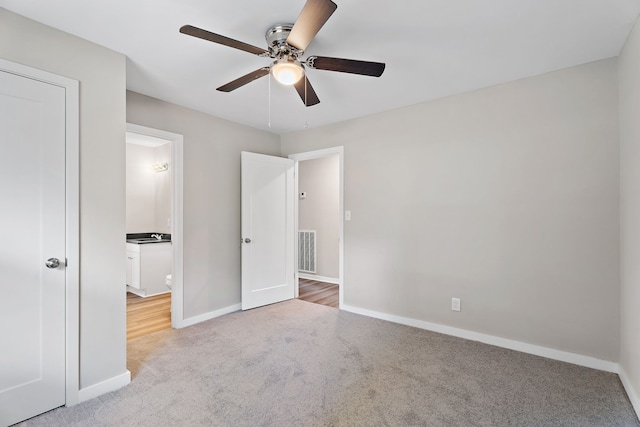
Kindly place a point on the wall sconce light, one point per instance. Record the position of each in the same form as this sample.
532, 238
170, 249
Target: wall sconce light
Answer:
160, 167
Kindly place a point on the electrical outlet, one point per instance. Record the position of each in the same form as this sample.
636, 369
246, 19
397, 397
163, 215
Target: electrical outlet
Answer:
455, 304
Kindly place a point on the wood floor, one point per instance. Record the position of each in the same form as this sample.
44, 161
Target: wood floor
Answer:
147, 315
319, 292
152, 314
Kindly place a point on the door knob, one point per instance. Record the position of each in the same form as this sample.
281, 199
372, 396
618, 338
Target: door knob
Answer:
247, 240
52, 263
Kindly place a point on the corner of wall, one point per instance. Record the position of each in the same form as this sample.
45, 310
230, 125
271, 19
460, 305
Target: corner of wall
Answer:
629, 138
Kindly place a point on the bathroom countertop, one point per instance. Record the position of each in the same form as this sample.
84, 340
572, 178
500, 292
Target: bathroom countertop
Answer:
145, 238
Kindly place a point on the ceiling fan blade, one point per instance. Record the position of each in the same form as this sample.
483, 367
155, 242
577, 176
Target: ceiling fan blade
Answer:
247, 78
313, 16
365, 68
217, 38
309, 96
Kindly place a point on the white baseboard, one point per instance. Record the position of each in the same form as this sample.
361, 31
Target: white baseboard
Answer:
564, 356
136, 291
633, 396
103, 387
143, 293
207, 316
319, 278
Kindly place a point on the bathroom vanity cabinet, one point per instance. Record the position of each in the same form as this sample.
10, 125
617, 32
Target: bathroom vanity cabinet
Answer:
147, 268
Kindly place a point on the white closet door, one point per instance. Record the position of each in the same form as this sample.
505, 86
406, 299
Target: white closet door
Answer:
32, 226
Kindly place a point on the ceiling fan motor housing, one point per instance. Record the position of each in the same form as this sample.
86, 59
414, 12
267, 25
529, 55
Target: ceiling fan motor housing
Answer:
276, 37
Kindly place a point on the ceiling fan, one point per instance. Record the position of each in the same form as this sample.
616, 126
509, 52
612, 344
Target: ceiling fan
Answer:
286, 44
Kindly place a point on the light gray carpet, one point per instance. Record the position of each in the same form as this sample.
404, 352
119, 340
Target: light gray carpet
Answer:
302, 364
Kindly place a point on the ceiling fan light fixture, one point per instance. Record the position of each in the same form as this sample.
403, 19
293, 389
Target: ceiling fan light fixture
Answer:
287, 71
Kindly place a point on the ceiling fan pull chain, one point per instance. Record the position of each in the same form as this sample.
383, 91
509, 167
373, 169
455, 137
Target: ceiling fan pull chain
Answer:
306, 109
269, 101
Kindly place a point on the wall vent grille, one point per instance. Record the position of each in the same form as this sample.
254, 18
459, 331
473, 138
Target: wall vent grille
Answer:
307, 251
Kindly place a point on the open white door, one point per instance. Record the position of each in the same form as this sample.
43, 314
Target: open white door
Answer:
33, 254
268, 229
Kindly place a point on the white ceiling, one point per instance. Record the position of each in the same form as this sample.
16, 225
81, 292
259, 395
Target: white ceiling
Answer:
432, 48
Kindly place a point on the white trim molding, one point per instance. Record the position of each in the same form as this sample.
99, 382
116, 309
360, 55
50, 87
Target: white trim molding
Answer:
210, 315
106, 386
631, 392
550, 353
72, 221
319, 278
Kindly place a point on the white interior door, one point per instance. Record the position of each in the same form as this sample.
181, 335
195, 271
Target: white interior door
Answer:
32, 226
268, 230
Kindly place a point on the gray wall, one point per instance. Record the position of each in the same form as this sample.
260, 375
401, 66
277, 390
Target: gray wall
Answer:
212, 149
320, 180
630, 209
101, 73
162, 209
148, 192
141, 189
506, 197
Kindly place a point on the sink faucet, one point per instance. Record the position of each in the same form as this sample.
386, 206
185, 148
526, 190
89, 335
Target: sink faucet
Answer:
157, 236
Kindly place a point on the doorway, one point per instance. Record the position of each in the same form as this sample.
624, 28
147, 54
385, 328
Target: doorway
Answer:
319, 224
154, 230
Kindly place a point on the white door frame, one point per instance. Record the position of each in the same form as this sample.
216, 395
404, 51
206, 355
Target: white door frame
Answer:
72, 222
177, 179
317, 154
